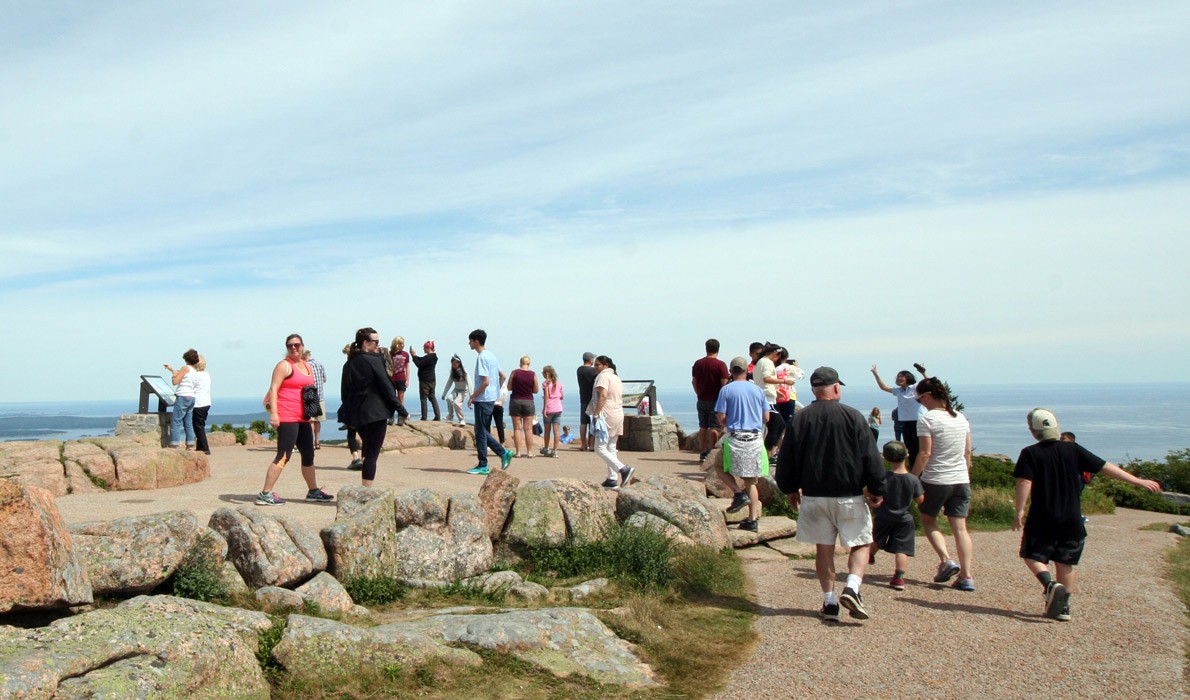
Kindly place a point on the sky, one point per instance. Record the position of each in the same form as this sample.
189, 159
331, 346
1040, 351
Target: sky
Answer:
998, 190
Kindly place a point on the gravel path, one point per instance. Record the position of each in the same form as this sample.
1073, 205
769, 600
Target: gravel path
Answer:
1126, 639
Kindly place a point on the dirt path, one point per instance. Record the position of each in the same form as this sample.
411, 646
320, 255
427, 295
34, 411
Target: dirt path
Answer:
1126, 639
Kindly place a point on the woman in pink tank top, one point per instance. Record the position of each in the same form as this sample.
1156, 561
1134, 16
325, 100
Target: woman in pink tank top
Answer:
284, 404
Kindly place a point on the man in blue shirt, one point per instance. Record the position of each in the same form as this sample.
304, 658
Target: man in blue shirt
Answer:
743, 410
487, 369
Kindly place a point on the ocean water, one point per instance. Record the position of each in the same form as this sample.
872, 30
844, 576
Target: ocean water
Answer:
1116, 421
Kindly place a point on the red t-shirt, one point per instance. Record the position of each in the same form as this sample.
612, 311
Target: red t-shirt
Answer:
709, 374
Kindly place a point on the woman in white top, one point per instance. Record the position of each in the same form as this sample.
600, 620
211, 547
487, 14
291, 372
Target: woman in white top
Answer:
607, 421
202, 404
182, 419
908, 410
944, 467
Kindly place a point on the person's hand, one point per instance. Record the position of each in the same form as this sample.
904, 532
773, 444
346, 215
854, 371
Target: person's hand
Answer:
1018, 520
875, 501
1150, 485
795, 500
274, 420
873, 369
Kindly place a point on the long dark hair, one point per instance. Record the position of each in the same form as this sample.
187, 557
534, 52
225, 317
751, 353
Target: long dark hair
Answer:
457, 374
934, 387
607, 362
361, 336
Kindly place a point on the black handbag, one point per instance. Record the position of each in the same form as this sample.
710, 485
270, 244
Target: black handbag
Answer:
311, 408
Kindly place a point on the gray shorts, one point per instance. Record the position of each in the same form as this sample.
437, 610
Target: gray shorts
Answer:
707, 418
521, 408
553, 418
894, 536
952, 499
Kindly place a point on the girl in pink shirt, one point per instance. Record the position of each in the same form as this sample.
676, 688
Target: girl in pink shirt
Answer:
552, 395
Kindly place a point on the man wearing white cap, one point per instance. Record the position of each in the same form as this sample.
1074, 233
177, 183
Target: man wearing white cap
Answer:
827, 461
1051, 472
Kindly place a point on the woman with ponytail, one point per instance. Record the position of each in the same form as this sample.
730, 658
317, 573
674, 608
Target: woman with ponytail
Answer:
944, 466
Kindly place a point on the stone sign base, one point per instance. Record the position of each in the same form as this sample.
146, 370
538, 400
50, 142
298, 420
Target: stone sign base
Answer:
649, 434
137, 423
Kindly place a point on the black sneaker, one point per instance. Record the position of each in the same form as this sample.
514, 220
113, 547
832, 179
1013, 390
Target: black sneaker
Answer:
738, 502
318, 495
750, 525
357, 465
1057, 598
702, 456
626, 475
611, 484
854, 603
1063, 613
829, 612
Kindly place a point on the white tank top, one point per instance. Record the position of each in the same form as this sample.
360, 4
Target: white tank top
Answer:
186, 386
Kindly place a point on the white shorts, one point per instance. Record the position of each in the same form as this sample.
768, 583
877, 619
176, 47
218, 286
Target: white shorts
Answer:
823, 519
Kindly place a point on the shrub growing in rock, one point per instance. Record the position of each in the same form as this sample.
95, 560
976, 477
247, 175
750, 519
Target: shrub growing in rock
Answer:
638, 557
1126, 496
199, 577
704, 572
375, 590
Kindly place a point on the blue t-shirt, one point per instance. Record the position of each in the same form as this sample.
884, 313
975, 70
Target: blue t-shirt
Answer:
908, 409
486, 365
744, 404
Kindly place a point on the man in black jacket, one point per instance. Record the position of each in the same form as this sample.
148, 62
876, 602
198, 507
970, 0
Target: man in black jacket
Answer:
827, 461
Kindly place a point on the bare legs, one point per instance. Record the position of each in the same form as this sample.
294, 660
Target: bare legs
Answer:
962, 541
824, 564
522, 427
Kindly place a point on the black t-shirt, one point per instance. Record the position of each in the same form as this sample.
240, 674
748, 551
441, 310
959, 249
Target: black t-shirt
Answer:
899, 491
1056, 468
586, 384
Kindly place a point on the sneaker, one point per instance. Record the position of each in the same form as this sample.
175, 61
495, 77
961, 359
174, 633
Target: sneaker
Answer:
481, 469
946, 571
626, 475
268, 499
1057, 597
553, 452
702, 456
357, 465
829, 612
544, 452
1062, 614
851, 600
738, 502
505, 460
896, 583
318, 495
611, 484
964, 584
750, 525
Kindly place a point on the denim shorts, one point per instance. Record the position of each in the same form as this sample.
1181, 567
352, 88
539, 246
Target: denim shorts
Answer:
553, 418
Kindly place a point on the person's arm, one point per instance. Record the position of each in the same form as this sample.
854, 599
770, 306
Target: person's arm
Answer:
921, 369
967, 452
176, 376
1023, 488
1115, 472
880, 382
723, 418
600, 399
925, 447
536, 386
280, 373
479, 389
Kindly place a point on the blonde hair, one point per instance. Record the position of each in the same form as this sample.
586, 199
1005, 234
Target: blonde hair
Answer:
397, 345
875, 412
549, 373
525, 360
201, 365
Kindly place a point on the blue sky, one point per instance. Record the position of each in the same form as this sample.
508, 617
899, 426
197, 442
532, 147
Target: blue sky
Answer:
1000, 190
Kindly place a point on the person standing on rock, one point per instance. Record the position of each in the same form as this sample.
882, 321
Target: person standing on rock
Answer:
1049, 478
707, 376
368, 398
319, 384
827, 463
182, 415
586, 389
743, 410
284, 404
488, 380
202, 405
427, 378
607, 421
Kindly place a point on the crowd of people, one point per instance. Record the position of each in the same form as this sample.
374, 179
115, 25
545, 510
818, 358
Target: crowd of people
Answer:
847, 489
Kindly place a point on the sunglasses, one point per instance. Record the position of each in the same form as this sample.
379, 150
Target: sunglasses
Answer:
293, 345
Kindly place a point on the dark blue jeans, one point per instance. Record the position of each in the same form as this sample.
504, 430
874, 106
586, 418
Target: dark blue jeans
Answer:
483, 431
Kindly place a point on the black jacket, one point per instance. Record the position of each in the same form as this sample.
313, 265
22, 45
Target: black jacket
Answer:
425, 367
829, 451
367, 393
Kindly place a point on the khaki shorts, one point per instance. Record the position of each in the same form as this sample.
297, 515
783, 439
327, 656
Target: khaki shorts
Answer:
319, 419
825, 519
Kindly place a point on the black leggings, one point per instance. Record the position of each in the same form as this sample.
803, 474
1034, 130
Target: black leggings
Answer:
199, 415
372, 437
775, 429
909, 437
290, 435
352, 440
498, 419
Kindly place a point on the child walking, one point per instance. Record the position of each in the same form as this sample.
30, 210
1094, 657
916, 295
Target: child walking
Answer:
892, 523
1049, 477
